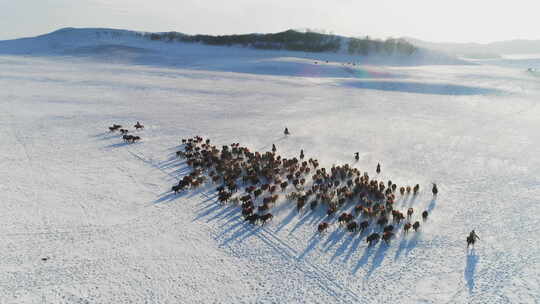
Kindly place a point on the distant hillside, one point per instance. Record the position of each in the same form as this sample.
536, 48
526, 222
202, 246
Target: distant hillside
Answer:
292, 40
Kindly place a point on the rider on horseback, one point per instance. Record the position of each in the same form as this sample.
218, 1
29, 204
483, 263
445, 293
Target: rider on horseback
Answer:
474, 236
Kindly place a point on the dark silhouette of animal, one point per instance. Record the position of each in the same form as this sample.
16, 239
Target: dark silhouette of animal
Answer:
266, 217
378, 168
247, 211
177, 188
356, 156
410, 212
388, 228
286, 132
252, 219
138, 126
364, 225
373, 238
424, 215
387, 235
274, 149
416, 225
114, 127
345, 218
407, 227
416, 189
323, 227
302, 154
434, 189
352, 226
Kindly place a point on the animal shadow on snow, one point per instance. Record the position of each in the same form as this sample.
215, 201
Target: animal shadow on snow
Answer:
470, 269
407, 244
120, 144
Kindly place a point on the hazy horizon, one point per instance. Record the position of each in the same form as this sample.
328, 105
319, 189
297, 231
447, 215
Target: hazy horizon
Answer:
458, 21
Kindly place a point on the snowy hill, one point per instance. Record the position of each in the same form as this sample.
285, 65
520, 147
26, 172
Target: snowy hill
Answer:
89, 218
135, 47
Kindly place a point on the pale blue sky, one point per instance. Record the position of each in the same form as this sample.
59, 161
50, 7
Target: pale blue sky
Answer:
456, 20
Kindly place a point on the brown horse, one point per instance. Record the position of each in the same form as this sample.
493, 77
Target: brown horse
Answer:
387, 236
266, 217
406, 228
410, 212
323, 227
373, 238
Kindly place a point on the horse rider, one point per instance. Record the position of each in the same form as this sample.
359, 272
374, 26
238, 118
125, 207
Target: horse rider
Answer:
474, 236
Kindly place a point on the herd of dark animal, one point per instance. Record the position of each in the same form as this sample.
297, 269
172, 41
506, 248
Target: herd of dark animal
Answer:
253, 180
125, 136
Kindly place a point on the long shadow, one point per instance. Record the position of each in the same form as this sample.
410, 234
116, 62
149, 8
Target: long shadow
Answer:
421, 87
341, 249
224, 213
106, 136
287, 219
315, 239
432, 204
364, 259
379, 257
243, 230
169, 196
470, 269
305, 217
412, 243
334, 238
121, 144
401, 247
354, 246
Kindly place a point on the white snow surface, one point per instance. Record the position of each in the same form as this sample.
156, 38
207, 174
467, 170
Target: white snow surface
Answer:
100, 211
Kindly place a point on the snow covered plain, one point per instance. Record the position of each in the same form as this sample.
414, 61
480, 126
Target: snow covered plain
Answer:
101, 213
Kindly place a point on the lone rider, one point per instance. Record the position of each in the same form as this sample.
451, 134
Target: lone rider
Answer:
474, 236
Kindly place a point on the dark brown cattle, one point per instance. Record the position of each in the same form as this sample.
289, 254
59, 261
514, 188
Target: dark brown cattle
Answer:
416, 225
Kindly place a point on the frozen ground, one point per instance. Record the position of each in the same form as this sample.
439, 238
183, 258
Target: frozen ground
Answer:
100, 212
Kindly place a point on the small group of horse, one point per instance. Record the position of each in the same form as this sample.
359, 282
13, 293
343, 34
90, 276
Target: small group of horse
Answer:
125, 136
347, 220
